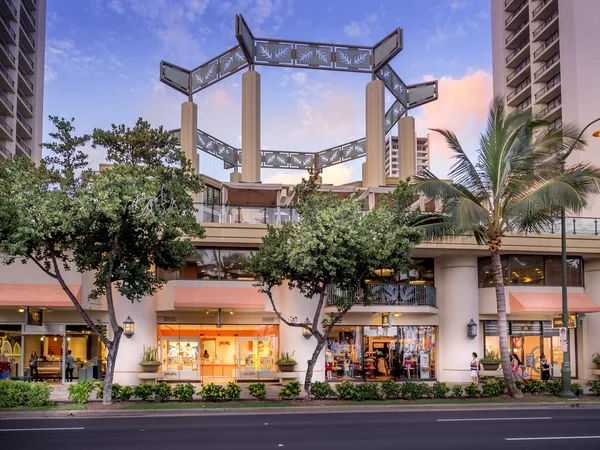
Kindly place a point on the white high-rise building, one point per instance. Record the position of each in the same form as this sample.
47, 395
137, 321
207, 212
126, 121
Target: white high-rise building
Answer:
392, 157
545, 57
22, 46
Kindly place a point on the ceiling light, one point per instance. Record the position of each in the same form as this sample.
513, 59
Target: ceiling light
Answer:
21, 310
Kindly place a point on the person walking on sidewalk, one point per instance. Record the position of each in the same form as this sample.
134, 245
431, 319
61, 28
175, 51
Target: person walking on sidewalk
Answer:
69, 366
515, 364
475, 368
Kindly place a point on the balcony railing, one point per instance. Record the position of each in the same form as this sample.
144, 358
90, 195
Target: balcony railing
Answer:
28, 37
23, 98
28, 14
514, 53
540, 7
6, 100
516, 31
12, 8
27, 80
4, 72
513, 14
386, 294
518, 69
547, 65
518, 89
544, 24
23, 122
247, 214
23, 145
25, 54
551, 106
555, 125
6, 22
4, 151
6, 126
546, 44
6, 48
553, 82
522, 106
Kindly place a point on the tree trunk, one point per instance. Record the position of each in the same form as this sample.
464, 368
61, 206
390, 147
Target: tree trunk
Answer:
311, 365
503, 326
111, 359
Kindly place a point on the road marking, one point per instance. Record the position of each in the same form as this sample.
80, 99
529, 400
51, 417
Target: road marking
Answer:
485, 419
42, 429
551, 438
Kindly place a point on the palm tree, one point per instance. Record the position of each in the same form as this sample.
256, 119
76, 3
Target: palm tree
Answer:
516, 184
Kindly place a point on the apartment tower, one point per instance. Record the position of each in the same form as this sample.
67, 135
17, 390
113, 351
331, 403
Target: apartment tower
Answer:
392, 158
22, 43
545, 58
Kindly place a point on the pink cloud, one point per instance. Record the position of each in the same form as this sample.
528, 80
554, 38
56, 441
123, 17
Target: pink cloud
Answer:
462, 107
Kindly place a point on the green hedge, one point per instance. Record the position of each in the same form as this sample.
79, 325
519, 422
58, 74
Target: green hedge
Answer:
21, 393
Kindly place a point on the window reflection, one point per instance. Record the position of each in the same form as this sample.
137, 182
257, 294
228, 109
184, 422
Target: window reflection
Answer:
217, 264
420, 272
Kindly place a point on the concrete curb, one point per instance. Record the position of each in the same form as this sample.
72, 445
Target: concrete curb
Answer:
88, 414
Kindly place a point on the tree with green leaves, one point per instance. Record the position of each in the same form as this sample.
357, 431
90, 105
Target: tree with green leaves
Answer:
119, 224
336, 245
517, 184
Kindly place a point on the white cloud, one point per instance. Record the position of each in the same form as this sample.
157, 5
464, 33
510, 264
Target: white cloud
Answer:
49, 74
362, 28
300, 78
63, 54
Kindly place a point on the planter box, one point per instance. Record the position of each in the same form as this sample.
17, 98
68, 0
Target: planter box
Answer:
286, 367
150, 367
490, 365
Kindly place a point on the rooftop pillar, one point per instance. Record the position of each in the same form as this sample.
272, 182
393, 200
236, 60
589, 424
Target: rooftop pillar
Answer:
407, 147
188, 137
251, 126
374, 173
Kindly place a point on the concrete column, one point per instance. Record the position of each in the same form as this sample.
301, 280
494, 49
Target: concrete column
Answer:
251, 126
591, 322
458, 303
291, 303
235, 177
189, 133
375, 113
143, 314
407, 147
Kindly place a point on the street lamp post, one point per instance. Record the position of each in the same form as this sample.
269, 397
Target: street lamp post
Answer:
566, 365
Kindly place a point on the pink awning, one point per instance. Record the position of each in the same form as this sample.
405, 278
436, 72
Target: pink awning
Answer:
221, 297
550, 302
38, 295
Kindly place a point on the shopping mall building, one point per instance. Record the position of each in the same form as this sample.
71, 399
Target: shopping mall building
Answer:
211, 324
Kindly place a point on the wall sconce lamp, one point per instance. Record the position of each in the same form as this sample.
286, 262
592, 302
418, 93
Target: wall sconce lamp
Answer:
128, 327
471, 330
306, 333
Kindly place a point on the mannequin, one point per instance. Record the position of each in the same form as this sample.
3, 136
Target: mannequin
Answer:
328, 364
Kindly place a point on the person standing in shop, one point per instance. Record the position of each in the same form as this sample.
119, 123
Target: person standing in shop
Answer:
33, 366
545, 368
69, 366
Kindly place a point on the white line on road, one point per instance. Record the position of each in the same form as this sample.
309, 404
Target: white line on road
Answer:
551, 438
485, 419
41, 429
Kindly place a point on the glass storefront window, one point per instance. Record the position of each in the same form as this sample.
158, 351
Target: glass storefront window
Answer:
554, 271
421, 272
201, 352
400, 352
216, 264
11, 347
527, 269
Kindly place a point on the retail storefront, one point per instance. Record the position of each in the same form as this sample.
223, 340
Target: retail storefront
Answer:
376, 352
529, 339
229, 352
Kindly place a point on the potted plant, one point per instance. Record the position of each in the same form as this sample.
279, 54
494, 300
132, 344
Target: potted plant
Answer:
596, 360
490, 361
286, 362
150, 362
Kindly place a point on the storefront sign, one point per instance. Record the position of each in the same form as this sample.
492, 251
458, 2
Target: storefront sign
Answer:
557, 322
562, 333
529, 359
35, 317
525, 328
490, 327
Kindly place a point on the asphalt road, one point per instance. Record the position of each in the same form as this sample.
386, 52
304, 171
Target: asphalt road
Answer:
464, 430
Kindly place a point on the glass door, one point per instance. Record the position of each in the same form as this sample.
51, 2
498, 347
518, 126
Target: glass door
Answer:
257, 357
180, 358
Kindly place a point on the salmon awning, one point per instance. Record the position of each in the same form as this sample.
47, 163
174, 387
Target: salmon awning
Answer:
221, 297
39, 295
550, 302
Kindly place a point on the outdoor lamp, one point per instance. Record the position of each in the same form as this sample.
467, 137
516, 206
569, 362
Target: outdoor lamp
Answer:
471, 330
306, 333
128, 327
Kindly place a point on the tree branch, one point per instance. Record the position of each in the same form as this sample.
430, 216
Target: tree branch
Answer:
46, 271
109, 298
313, 331
90, 323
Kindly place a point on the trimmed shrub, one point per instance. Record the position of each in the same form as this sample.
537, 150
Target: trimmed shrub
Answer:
163, 391
492, 388
390, 389
258, 390
366, 391
143, 391
21, 393
184, 392
346, 390
233, 391
457, 390
519, 385
594, 386
321, 390
440, 390
80, 391
553, 387
472, 390
576, 388
291, 390
212, 392
534, 387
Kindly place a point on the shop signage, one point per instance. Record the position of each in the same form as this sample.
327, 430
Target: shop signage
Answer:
529, 359
557, 322
386, 320
525, 328
562, 333
35, 317
490, 327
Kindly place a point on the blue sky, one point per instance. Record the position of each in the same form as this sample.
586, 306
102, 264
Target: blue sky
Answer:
102, 67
